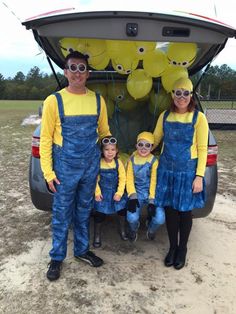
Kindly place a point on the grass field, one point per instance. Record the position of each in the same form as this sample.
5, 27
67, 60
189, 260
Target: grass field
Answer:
219, 104
20, 105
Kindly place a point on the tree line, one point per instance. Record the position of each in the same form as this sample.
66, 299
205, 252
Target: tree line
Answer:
217, 83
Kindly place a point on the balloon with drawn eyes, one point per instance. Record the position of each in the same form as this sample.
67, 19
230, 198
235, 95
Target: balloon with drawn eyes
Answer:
120, 48
155, 63
143, 48
181, 54
139, 83
95, 49
117, 91
172, 74
68, 45
124, 64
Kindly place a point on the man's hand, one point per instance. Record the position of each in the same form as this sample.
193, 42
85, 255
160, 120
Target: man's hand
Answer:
152, 209
132, 204
117, 197
52, 186
98, 198
197, 184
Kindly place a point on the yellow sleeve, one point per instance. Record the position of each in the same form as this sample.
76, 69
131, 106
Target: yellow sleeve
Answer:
97, 189
202, 142
103, 127
153, 180
130, 179
158, 132
48, 124
121, 179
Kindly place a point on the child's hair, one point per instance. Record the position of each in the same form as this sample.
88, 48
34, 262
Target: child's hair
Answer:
109, 140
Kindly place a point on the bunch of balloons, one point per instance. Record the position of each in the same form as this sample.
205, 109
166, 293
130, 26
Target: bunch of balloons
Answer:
141, 61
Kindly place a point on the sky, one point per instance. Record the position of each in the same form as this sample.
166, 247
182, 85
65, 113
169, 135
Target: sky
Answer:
20, 52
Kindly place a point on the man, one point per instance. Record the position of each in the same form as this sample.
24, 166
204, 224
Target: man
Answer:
72, 121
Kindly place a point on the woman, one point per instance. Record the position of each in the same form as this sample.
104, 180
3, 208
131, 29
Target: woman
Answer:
180, 176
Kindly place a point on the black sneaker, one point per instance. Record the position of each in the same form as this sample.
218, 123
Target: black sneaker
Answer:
132, 236
54, 270
90, 258
150, 235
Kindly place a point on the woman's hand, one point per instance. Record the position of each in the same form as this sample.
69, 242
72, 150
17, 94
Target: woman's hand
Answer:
197, 184
51, 184
98, 198
117, 197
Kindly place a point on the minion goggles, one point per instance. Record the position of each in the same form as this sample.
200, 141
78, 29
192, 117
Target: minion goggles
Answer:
181, 93
109, 140
80, 67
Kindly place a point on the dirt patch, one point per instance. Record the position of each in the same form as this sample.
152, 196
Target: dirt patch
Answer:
133, 278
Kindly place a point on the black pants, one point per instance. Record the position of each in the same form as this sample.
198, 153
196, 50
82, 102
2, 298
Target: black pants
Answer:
100, 217
178, 226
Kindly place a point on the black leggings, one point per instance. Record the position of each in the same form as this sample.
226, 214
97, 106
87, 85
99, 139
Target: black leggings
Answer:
178, 226
100, 217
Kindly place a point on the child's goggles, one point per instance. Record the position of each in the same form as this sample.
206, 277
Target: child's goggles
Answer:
144, 145
109, 140
181, 93
80, 67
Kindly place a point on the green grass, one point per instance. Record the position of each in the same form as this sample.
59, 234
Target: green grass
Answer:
218, 104
20, 105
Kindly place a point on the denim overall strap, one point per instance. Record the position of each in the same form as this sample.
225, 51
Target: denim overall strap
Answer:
60, 106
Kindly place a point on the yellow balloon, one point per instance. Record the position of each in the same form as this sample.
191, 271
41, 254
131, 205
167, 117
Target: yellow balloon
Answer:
127, 104
68, 45
144, 47
155, 63
98, 88
124, 64
110, 107
181, 54
117, 91
159, 102
139, 84
120, 48
171, 75
95, 49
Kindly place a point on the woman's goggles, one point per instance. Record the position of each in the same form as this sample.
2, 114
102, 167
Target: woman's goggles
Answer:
80, 67
181, 93
144, 145
109, 140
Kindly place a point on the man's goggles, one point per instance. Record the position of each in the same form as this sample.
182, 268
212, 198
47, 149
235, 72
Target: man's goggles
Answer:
109, 140
80, 67
144, 145
181, 93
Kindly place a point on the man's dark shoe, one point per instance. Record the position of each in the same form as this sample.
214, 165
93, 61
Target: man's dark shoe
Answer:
170, 257
54, 270
90, 258
180, 258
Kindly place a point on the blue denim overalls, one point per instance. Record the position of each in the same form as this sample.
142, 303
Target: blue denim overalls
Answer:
142, 176
176, 170
108, 184
76, 165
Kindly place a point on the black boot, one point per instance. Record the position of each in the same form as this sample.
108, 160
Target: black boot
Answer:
122, 228
180, 258
170, 257
97, 242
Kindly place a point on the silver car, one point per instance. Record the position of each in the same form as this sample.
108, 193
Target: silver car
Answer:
58, 33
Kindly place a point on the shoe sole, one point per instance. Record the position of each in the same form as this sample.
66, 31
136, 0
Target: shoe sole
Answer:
88, 261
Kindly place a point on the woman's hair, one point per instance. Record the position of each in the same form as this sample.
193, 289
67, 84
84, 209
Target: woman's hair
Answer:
191, 106
103, 145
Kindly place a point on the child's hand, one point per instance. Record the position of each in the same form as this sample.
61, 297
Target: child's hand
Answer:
197, 184
132, 204
117, 197
99, 198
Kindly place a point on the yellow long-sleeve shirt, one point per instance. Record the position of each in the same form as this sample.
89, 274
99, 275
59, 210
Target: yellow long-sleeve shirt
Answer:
121, 176
130, 180
200, 138
74, 104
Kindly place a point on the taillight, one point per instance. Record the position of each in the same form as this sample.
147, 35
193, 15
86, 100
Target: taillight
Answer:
212, 155
35, 146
